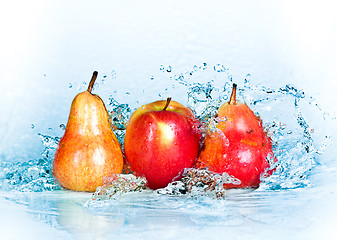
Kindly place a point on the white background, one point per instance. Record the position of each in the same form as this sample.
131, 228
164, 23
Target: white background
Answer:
46, 45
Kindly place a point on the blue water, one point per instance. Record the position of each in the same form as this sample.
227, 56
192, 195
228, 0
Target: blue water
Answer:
287, 204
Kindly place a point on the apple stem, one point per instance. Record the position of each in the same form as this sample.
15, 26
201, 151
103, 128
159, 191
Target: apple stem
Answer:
167, 103
233, 96
92, 81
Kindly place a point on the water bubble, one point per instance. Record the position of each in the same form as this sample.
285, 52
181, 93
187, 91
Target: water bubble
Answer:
247, 80
83, 86
181, 79
113, 74
166, 69
220, 68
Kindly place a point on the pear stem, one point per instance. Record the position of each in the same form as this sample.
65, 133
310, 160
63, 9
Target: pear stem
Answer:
92, 81
232, 100
167, 103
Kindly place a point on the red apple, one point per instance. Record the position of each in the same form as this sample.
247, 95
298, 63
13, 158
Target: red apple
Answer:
162, 138
238, 145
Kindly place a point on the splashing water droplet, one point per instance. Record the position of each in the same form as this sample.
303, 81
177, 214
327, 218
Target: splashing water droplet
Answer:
197, 183
50, 144
34, 175
219, 68
119, 115
295, 145
166, 69
114, 186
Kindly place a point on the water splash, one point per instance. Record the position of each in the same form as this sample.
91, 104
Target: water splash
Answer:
119, 114
284, 112
34, 175
50, 144
167, 69
197, 183
114, 187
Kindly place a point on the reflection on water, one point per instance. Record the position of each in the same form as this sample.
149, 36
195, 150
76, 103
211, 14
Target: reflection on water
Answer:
147, 214
289, 115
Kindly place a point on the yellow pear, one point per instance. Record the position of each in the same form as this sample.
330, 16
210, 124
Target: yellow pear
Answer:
89, 150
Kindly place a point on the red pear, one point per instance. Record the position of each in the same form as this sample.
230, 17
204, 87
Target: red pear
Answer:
237, 145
